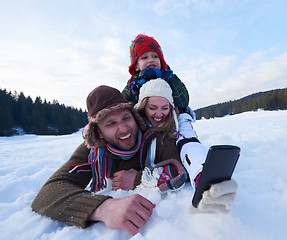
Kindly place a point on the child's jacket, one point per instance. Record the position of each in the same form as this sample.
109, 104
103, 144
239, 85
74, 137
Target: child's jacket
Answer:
179, 91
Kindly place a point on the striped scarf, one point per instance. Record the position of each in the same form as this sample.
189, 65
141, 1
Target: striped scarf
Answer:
126, 155
101, 164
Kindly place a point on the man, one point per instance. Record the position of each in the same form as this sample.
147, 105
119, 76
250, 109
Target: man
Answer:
114, 148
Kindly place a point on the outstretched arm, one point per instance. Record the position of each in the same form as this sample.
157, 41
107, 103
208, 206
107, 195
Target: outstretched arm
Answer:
64, 198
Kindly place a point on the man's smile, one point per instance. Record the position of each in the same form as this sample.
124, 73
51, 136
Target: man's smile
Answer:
125, 136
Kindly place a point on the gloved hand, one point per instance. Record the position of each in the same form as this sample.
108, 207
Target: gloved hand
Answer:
168, 175
153, 73
218, 199
136, 85
150, 178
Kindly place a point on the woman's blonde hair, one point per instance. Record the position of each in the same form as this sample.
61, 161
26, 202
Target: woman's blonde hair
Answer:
167, 127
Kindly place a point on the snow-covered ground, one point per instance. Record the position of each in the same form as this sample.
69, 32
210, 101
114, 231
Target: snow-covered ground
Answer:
259, 212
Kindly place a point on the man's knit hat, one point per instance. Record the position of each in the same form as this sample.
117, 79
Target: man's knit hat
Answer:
157, 88
141, 45
100, 102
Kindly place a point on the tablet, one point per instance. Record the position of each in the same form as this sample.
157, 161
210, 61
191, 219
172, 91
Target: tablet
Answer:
219, 166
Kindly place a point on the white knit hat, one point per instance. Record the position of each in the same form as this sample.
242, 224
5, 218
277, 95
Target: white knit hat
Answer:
157, 88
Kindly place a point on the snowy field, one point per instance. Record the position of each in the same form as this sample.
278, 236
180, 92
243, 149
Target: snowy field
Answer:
259, 212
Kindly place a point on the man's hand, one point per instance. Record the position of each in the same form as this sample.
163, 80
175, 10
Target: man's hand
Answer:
129, 213
124, 179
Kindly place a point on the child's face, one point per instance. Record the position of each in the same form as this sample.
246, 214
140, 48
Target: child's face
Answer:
148, 59
157, 109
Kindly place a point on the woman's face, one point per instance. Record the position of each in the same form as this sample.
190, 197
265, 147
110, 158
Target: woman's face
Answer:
157, 109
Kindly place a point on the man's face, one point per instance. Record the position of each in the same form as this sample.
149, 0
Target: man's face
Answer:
119, 129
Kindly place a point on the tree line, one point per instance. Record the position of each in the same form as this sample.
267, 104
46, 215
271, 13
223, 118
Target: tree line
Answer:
21, 114
269, 100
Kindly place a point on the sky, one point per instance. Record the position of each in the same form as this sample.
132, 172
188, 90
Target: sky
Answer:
221, 50
259, 211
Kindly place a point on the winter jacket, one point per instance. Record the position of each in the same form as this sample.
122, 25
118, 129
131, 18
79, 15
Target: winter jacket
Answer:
179, 91
192, 152
64, 196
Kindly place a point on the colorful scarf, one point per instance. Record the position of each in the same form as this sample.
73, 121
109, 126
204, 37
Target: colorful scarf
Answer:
126, 155
101, 168
101, 164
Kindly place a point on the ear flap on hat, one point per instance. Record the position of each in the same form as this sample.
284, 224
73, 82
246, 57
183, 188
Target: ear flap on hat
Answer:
138, 118
92, 138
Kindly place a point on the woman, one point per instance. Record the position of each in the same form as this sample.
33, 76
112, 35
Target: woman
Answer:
156, 107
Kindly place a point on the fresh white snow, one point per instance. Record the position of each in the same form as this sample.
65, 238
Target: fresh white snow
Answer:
259, 211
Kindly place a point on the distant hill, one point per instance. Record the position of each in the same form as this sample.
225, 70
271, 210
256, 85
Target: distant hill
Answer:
268, 100
19, 114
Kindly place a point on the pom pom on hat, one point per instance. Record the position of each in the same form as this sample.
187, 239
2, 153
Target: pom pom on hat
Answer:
141, 45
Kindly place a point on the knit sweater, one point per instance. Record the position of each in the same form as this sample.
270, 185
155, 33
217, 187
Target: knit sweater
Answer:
64, 198
179, 92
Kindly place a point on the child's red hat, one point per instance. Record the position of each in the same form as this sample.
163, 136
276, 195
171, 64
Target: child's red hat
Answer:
141, 45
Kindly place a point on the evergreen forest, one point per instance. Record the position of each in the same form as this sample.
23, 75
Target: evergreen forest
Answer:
269, 100
20, 114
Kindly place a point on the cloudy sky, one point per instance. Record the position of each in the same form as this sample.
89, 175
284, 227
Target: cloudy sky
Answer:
222, 50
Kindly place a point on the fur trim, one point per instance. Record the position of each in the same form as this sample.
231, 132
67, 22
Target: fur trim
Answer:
104, 112
141, 124
92, 138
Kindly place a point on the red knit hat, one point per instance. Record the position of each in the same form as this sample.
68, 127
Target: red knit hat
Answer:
141, 45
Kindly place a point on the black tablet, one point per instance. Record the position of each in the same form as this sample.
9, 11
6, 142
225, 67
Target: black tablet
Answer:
219, 166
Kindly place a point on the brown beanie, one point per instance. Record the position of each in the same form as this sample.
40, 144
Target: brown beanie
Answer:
102, 99
100, 102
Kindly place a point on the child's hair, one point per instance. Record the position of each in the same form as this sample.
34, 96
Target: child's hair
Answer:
141, 45
167, 127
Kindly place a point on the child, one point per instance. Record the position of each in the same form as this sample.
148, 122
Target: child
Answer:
147, 62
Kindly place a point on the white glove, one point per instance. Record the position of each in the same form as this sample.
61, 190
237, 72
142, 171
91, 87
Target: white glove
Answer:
150, 178
218, 199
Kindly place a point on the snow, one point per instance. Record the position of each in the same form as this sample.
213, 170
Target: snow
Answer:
259, 211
